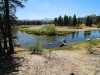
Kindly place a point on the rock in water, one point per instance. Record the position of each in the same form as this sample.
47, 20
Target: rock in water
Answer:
62, 42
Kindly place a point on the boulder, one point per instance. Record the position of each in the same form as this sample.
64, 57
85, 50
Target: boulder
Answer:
62, 42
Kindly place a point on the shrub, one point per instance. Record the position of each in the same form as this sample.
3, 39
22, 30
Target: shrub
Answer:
51, 31
48, 30
36, 49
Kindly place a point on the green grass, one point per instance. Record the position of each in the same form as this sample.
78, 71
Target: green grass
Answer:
63, 48
79, 45
46, 30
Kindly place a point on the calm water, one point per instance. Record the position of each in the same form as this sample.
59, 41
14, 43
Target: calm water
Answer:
27, 40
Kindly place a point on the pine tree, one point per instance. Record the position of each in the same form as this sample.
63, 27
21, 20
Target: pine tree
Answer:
55, 21
87, 21
74, 20
59, 20
62, 21
66, 22
70, 21
9, 8
97, 19
78, 21
90, 21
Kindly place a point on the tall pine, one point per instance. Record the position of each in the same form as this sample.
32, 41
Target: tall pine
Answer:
74, 20
59, 20
66, 21
87, 21
78, 21
55, 21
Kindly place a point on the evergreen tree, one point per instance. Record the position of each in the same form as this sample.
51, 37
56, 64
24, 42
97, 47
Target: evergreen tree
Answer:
78, 21
88, 21
8, 12
59, 20
62, 21
97, 19
66, 22
70, 21
74, 20
55, 21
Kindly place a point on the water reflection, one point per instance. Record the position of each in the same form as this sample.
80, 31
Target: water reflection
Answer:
87, 34
27, 40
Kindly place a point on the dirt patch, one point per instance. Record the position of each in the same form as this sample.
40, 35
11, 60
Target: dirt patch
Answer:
36, 27
54, 63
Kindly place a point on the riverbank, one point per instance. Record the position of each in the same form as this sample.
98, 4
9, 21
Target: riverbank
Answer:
52, 30
60, 62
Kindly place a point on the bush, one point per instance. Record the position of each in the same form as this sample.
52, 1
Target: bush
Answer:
48, 30
36, 49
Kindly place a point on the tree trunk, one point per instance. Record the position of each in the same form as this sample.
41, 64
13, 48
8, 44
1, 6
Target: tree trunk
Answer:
4, 32
9, 26
0, 47
5, 43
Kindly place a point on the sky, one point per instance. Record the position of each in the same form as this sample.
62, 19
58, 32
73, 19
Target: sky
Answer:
40, 9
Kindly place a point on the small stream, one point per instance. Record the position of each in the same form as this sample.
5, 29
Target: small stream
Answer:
27, 40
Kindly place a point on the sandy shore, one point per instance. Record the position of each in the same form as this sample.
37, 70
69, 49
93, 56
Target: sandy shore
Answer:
54, 63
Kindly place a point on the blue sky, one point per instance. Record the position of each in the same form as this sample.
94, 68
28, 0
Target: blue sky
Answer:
40, 9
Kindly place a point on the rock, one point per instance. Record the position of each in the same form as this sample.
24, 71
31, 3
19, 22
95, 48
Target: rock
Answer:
62, 42
50, 43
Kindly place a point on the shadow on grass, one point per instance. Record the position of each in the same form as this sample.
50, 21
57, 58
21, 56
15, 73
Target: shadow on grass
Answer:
9, 65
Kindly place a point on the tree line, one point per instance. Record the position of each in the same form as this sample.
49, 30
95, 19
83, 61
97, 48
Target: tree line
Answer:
29, 22
34, 22
67, 21
8, 21
73, 21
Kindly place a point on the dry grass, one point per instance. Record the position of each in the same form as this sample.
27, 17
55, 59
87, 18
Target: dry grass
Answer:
82, 27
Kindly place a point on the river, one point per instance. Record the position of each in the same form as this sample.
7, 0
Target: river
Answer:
27, 40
